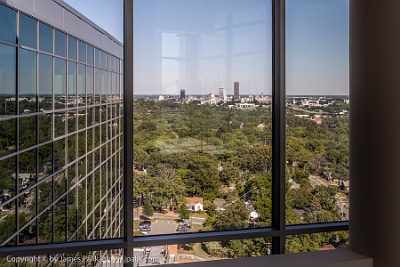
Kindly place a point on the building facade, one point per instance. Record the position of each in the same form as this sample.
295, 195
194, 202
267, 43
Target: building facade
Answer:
61, 145
236, 96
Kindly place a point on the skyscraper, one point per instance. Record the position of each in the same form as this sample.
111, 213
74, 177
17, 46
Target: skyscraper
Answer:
236, 96
183, 96
222, 94
61, 155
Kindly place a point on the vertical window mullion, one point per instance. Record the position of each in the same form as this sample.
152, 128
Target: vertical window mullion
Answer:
278, 125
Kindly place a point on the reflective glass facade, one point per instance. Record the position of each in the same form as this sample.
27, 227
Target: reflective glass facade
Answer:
60, 144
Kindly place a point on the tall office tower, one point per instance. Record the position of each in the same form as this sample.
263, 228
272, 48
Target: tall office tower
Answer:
183, 96
61, 119
236, 96
222, 94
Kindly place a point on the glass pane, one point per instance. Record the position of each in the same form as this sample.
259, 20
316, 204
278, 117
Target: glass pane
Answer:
71, 47
27, 169
45, 128
8, 136
26, 81
7, 186
103, 60
90, 55
45, 38
60, 44
71, 84
45, 161
59, 154
82, 51
60, 83
317, 112
45, 82
8, 24
60, 121
27, 131
7, 79
27, 31
205, 159
97, 56
89, 85
81, 85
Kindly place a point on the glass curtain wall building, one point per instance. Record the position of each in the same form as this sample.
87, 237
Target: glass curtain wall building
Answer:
61, 126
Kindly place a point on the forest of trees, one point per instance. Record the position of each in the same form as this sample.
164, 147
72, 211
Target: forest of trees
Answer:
216, 152
185, 150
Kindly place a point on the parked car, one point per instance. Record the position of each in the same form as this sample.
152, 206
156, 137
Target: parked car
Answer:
145, 226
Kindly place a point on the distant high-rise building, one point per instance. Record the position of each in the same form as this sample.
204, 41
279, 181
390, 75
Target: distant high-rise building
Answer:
236, 96
183, 96
222, 94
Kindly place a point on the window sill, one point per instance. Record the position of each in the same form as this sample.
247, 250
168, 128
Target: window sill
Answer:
331, 258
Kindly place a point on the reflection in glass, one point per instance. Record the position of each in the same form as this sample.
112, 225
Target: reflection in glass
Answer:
7, 79
81, 85
8, 136
26, 81
8, 24
27, 31
90, 55
44, 192
7, 183
60, 44
45, 82
45, 161
27, 169
71, 84
27, 131
59, 154
45, 127
82, 118
71, 121
60, 120
97, 56
103, 60
89, 85
81, 51
45, 38
60, 225
202, 113
60, 83
71, 47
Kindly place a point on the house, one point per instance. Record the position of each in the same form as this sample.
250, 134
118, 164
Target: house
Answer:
219, 204
194, 203
317, 120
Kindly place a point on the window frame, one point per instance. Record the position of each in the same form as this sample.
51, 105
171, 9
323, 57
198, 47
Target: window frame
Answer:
278, 231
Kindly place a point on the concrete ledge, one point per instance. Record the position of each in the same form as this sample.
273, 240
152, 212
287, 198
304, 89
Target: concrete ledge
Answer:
330, 258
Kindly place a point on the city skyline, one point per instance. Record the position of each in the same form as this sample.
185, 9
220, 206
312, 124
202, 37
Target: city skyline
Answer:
316, 45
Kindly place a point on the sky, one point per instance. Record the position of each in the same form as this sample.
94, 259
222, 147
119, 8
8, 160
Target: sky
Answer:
201, 45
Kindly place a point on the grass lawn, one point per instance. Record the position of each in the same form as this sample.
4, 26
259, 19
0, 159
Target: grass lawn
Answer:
199, 252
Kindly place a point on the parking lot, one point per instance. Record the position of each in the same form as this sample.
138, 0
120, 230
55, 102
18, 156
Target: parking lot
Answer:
163, 227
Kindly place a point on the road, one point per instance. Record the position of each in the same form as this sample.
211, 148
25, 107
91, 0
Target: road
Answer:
194, 220
341, 202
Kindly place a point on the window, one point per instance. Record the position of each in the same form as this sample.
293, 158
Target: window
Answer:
8, 28
45, 38
209, 125
27, 31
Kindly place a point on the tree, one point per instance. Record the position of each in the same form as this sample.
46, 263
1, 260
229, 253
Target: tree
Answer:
183, 212
148, 209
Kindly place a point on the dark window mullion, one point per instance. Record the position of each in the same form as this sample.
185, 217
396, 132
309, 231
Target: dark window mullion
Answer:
278, 125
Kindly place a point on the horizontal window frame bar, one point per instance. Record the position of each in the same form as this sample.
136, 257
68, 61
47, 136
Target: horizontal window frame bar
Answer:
144, 241
62, 248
